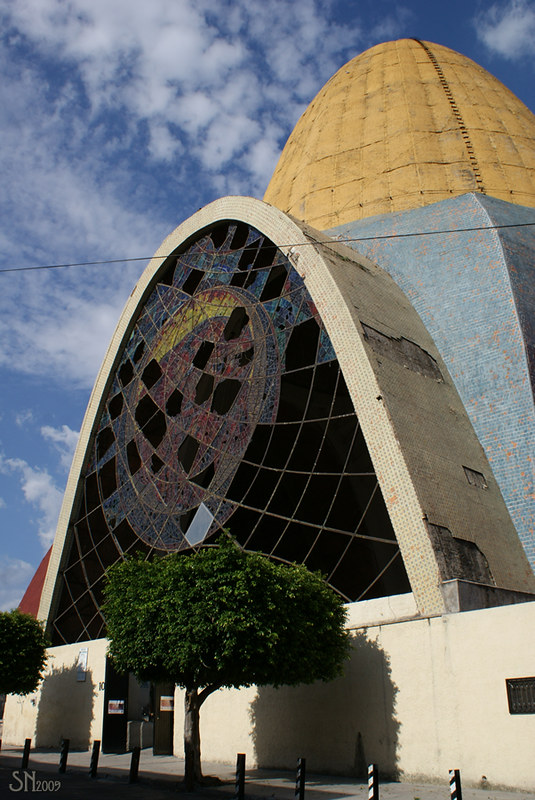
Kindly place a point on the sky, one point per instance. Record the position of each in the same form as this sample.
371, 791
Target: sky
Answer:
119, 119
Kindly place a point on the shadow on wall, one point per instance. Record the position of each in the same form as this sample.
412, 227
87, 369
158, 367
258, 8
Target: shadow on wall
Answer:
340, 726
65, 709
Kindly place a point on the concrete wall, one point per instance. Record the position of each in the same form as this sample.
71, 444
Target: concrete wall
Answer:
419, 697
63, 706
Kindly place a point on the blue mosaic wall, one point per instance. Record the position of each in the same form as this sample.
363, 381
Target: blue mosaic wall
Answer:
475, 291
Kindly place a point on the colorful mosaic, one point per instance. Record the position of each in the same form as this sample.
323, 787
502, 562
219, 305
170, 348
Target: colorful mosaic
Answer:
228, 409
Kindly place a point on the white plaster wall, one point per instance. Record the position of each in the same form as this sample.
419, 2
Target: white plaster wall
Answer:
419, 697
225, 725
62, 707
451, 673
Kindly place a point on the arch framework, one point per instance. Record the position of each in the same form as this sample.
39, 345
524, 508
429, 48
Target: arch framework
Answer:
249, 337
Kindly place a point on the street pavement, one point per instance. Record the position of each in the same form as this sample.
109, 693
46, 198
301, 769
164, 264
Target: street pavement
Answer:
160, 777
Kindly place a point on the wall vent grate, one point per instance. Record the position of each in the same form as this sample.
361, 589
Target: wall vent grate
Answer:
521, 695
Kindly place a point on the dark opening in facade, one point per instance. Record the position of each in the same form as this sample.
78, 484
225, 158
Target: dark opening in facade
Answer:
236, 323
203, 354
151, 374
204, 388
126, 373
224, 395
115, 406
192, 281
174, 403
187, 452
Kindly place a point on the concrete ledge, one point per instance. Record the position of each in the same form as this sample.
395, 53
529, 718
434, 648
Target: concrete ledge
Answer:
382, 611
462, 595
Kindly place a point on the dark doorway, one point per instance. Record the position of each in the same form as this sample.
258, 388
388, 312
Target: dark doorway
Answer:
115, 711
164, 694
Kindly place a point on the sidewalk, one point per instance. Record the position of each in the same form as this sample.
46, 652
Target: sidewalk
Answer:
160, 776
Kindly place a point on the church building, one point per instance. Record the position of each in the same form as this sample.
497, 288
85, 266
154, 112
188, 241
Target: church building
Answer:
343, 376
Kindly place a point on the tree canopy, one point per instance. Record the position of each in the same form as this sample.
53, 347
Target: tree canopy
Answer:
223, 617
22, 652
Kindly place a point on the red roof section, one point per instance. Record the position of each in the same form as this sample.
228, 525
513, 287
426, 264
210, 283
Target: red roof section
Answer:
32, 596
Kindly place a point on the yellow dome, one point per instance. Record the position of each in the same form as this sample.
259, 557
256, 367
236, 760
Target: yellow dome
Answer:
403, 125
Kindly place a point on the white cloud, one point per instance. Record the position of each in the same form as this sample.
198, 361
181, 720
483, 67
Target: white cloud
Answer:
61, 204
24, 417
120, 119
263, 156
508, 29
60, 335
194, 111
147, 57
64, 440
15, 575
163, 145
41, 492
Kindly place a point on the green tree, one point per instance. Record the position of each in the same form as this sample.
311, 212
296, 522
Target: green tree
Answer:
222, 618
22, 652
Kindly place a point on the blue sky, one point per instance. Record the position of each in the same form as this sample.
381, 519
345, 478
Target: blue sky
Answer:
120, 118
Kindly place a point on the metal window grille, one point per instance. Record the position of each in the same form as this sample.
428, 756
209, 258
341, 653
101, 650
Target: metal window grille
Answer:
521, 695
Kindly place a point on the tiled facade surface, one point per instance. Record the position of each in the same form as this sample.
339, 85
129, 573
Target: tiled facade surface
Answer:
417, 431
475, 292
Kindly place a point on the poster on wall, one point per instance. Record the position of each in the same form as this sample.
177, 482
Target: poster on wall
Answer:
115, 706
167, 702
81, 666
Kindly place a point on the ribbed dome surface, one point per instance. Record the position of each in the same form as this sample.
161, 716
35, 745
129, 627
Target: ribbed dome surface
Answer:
403, 125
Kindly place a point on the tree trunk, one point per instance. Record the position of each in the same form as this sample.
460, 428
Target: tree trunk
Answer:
193, 700
192, 739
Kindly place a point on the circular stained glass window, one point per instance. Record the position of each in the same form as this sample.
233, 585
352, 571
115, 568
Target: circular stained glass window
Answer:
228, 409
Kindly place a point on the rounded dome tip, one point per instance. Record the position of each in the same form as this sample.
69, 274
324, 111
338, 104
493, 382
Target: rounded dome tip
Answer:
405, 124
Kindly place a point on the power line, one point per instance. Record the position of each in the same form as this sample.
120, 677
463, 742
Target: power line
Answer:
76, 264
295, 244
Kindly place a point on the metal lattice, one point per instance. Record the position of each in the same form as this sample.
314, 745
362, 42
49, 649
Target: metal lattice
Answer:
228, 408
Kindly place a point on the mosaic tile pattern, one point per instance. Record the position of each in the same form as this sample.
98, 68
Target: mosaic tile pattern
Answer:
228, 408
474, 291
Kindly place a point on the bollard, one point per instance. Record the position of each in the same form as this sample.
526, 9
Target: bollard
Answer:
300, 779
94, 759
134, 765
63, 754
26, 754
455, 785
240, 776
373, 782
